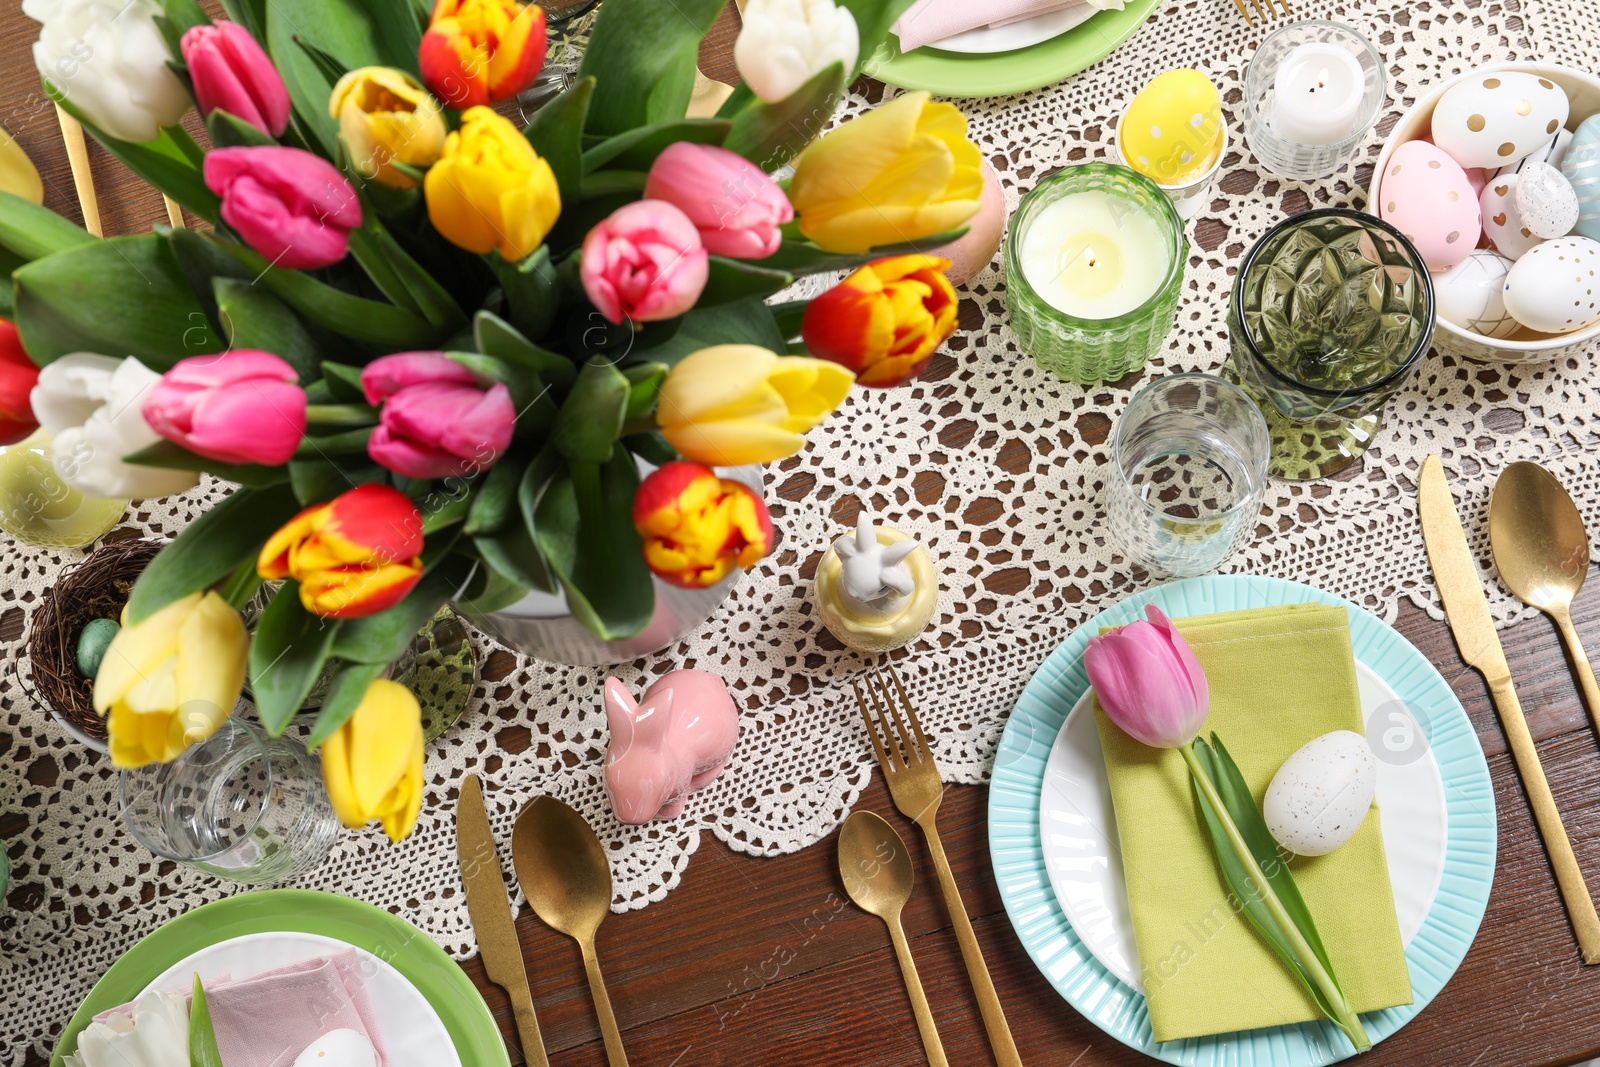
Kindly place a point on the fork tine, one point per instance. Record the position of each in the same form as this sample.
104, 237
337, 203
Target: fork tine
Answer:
872, 730
1285, 5
1257, 6
895, 739
912, 751
911, 714
1248, 21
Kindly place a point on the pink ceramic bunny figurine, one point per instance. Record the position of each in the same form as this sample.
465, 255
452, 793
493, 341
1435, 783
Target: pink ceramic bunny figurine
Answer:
671, 743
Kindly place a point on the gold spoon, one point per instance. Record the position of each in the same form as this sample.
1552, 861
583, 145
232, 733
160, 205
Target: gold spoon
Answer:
565, 876
1542, 552
877, 874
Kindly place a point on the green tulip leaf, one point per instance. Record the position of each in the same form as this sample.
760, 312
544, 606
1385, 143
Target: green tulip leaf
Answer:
171, 456
498, 338
251, 14
496, 498
637, 149
873, 20
340, 29
254, 318
533, 292
287, 652
398, 30
800, 257
344, 382
556, 133
346, 689
401, 278
203, 1051
731, 280
590, 421
748, 322
490, 591
789, 316
230, 131
770, 135
32, 231
331, 68
211, 547
383, 637
636, 44
584, 527
651, 447
513, 556
644, 386
347, 443
318, 478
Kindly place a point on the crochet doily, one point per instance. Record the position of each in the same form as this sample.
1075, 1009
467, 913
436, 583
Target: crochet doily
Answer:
1012, 465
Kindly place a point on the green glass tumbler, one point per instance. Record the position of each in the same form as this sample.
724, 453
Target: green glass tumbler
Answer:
1331, 313
1140, 229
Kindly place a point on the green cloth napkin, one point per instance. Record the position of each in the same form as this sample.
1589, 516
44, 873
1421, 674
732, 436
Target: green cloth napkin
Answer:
1279, 677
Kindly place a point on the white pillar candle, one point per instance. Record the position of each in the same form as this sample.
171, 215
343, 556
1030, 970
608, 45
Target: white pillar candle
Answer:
1094, 255
1317, 94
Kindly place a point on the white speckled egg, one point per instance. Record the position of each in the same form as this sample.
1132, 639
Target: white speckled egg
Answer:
1581, 167
1501, 220
1552, 288
338, 1048
1320, 796
1426, 196
1471, 295
1493, 119
1546, 201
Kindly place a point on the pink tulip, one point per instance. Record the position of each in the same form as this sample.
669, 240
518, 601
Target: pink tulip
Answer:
1148, 681
438, 418
292, 207
730, 200
231, 71
644, 263
243, 406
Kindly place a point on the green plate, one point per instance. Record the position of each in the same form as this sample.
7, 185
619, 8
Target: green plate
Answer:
1004, 73
405, 948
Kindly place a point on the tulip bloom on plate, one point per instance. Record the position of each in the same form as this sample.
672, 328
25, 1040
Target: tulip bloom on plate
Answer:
153, 1031
1148, 681
230, 71
372, 765
644, 263
243, 406
172, 679
355, 555
783, 43
734, 205
292, 207
885, 320
490, 191
108, 58
18, 376
387, 117
479, 52
898, 173
729, 405
698, 527
438, 419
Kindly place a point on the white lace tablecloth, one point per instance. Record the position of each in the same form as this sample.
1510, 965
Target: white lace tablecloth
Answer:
1011, 513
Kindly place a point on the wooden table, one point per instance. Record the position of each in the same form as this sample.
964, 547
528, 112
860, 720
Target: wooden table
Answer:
763, 963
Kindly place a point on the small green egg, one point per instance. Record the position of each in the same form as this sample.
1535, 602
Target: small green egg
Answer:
92, 644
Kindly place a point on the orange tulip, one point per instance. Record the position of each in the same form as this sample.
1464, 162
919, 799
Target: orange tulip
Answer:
885, 320
479, 52
697, 527
356, 555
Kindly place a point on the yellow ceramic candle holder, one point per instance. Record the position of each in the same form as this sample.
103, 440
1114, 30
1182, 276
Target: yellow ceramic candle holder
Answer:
876, 589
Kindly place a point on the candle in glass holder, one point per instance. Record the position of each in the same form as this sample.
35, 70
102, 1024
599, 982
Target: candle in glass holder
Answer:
1092, 256
1317, 94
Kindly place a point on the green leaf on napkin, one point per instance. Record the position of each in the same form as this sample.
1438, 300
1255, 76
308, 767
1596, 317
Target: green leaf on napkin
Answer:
203, 1050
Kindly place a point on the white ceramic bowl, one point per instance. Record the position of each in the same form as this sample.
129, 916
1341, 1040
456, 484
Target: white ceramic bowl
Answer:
1525, 346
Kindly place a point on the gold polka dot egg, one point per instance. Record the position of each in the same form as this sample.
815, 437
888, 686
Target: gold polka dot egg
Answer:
1555, 287
1495, 118
1172, 129
1428, 197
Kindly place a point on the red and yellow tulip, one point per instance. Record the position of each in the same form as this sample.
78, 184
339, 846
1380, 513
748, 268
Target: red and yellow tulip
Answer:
355, 555
372, 765
697, 527
885, 320
479, 52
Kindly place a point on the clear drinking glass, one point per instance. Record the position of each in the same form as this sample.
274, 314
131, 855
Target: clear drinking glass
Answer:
1282, 156
1190, 458
239, 805
1331, 313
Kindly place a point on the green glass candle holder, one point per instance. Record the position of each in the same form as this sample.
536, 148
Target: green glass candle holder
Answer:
1331, 313
1086, 349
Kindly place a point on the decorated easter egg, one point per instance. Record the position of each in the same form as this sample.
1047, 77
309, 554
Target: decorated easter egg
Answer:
1581, 167
1552, 288
1321, 794
1172, 129
1477, 178
1426, 196
338, 1048
92, 644
1546, 201
974, 250
1471, 295
1552, 153
1501, 219
1492, 119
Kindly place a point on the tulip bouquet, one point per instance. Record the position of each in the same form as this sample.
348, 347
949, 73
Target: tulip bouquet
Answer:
438, 351
1148, 682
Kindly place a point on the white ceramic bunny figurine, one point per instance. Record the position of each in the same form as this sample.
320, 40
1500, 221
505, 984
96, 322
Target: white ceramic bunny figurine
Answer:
670, 743
875, 574
876, 588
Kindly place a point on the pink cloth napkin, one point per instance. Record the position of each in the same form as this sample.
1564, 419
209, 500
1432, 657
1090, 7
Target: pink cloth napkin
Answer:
269, 1019
927, 21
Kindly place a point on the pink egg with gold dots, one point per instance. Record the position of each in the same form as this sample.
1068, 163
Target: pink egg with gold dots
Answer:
1427, 196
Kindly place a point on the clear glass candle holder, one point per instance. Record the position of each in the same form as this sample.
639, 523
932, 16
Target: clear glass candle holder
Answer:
1094, 350
1190, 470
1284, 156
1331, 313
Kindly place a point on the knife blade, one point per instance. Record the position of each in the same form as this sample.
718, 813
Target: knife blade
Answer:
1467, 610
490, 911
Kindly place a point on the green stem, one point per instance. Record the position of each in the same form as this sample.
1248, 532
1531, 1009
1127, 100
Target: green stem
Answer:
1344, 1017
341, 415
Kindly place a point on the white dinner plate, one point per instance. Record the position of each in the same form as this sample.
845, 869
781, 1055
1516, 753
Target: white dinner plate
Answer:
986, 40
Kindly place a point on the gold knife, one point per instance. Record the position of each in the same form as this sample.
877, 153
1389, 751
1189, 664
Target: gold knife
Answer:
1467, 609
491, 916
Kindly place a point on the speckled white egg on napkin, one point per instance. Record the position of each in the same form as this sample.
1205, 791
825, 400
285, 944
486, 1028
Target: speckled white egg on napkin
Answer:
1501, 220
1426, 196
1320, 796
1495, 118
1471, 295
1546, 201
1552, 288
338, 1048
1581, 167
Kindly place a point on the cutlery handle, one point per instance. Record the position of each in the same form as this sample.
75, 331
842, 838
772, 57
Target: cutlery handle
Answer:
1580, 666
533, 1053
615, 1055
1569, 877
994, 1018
919, 1001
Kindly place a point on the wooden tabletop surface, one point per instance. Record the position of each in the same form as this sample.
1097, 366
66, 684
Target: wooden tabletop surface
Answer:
763, 963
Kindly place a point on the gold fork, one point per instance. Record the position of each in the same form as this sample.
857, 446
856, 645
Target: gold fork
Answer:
913, 779
1270, 13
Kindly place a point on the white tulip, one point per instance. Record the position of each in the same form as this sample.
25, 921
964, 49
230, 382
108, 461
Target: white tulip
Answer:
92, 406
109, 60
155, 1034
785, 42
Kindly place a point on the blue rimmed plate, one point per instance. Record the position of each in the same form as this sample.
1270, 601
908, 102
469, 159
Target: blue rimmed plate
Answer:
1061, 955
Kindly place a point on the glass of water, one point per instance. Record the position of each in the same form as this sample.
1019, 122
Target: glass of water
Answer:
1190, 469
239, 805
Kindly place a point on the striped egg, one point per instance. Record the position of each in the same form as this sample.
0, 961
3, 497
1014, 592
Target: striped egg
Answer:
1581, 166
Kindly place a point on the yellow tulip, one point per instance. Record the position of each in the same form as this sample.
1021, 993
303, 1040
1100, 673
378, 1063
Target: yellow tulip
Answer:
898, 173
386, 116
372, 765
734, 404
490, 190
172, 679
